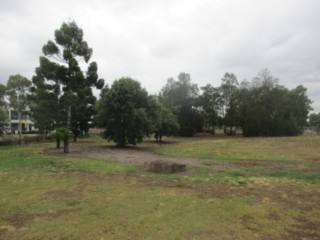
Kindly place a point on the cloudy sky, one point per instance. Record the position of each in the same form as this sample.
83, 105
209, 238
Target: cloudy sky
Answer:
153, 40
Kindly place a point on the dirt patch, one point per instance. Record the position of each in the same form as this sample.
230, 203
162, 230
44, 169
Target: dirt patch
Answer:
254, 163
131, 155
18, 221
62, 194
303, 229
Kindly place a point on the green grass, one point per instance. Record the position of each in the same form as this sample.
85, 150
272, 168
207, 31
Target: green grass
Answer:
49, 197
281, 148
295, 158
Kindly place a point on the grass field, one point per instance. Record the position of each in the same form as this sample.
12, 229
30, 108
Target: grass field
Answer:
244, 188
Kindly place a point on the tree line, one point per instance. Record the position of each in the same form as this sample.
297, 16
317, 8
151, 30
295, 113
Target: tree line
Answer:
60, 98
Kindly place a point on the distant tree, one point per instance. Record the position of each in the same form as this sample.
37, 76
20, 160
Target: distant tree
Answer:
269, 109
180, 96
229, 89
300, 106
314, 119
126, 111
265, 79
2, 95
165, 122
210, 102
61, 83
17, 89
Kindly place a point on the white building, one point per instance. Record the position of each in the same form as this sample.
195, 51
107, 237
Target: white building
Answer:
27, 124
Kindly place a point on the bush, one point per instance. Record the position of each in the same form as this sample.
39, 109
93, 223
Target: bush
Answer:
8, 141
32, 139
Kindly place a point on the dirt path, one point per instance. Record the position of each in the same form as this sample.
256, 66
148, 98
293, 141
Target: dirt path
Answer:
134, 156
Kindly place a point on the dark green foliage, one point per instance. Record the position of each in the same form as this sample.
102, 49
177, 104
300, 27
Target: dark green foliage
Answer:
3, 115
209, 102
229, 103
314, 119
268, 109
2, 94
126, 111
180, 96
61, 134
3, 121
62, 94
165, 123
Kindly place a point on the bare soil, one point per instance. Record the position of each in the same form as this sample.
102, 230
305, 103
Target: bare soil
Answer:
131, 155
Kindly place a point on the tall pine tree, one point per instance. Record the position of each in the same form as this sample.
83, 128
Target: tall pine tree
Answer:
62, 93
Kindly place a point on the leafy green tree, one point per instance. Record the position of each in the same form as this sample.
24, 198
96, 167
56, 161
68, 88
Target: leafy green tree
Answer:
126, 111
314, 119
209, 102
269, 109
165, 122
2, 95
180, 96
229, 90
17, 89
300, 106
59, 134
46, 109
61, 83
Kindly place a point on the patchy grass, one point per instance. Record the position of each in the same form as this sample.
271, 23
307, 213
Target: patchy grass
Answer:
296, 158
269, 197
215, 148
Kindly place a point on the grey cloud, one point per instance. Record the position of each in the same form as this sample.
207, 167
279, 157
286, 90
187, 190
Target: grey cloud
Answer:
153, 40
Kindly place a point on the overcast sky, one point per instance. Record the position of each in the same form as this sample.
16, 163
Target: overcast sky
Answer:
153, 40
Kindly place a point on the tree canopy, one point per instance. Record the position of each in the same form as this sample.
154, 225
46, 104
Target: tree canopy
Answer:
180, 96
165, 123
62, 93
126, 112
18, 89
269, 109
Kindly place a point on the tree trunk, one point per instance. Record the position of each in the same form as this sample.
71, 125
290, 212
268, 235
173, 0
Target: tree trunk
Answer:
20, 126
58, 142
66, 145
66, 141
75, 137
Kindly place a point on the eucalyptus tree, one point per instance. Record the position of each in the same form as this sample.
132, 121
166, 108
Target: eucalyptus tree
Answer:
269, 109
210, 104
165, 122
60, 76
229, 102
180, 96
18, 89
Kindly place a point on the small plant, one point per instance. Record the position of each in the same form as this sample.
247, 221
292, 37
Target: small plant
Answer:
63, 134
